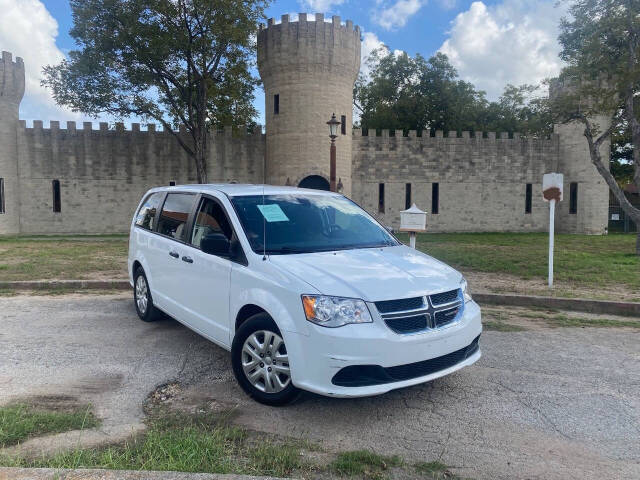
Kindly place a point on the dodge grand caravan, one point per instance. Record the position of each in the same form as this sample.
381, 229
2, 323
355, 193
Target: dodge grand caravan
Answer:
305, 289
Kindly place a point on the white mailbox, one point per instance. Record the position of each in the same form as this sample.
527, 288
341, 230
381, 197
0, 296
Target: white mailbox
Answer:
413, 220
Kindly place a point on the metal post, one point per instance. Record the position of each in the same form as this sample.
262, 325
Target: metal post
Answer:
412, 240
552, 215
332, 167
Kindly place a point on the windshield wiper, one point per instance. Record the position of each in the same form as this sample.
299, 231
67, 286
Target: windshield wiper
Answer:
285, 250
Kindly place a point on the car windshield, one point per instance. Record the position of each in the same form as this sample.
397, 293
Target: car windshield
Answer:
303, 223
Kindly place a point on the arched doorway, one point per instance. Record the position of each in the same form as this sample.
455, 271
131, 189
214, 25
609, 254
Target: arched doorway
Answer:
314, 181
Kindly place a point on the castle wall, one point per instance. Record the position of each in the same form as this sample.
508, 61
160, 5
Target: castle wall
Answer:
593, 192
482, 181
11, 92
104, 173
312, 66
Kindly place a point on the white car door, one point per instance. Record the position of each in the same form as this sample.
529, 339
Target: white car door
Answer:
207, 277
167, 249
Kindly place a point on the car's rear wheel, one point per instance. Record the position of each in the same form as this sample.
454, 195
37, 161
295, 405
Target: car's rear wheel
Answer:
261, 362
142, 297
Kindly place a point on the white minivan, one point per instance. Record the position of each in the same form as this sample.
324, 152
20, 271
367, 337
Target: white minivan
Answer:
306, 290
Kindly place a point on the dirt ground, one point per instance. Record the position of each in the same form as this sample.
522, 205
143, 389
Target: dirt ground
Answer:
503, 283
553, 403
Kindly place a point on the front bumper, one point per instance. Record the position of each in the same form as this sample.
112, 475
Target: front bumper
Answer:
316, 359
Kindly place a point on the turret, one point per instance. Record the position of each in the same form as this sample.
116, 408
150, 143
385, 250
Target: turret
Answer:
308, 68
585, 207
11, 93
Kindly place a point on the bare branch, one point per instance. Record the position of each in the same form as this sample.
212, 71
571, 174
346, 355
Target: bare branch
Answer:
596, 159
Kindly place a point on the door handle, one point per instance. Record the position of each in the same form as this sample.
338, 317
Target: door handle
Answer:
174, 254
187, 259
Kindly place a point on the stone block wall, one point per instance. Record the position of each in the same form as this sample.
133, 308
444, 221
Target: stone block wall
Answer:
104, 173
574, 162
11, 92
482, 181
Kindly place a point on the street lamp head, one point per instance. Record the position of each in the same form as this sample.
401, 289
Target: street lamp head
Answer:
333, 127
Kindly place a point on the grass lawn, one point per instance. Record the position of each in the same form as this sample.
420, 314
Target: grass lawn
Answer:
592, 266
19, 422
63, 257
585, 260
207, 442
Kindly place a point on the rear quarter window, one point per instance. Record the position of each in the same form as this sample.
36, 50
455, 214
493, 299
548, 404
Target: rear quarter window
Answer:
174, 215
147, 215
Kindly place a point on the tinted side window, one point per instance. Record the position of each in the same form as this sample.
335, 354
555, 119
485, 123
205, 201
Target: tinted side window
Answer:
174, 215
210, 220
149, 211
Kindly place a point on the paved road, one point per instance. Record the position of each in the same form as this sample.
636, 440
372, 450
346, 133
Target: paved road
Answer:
547, 403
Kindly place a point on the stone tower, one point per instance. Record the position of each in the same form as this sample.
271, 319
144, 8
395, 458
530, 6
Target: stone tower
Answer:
308, 68
11, 92
574, 162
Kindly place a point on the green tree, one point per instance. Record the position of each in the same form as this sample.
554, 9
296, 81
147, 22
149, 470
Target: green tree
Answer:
412, 93
180, 62
621, 164
523, 109
600, 42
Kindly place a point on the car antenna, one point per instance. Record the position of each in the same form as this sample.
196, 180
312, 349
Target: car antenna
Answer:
264, 225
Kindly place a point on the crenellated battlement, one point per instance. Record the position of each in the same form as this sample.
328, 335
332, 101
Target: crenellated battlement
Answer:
118, 128
312, 25
11, 78
451, 136
309, 45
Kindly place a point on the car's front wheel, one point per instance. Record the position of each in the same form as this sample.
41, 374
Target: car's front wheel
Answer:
261, 362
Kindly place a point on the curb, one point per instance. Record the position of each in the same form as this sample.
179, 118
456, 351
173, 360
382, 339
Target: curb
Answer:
628, 309
66, 285
10, 473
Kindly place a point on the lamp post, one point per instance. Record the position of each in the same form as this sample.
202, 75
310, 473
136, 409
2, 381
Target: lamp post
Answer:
333, 133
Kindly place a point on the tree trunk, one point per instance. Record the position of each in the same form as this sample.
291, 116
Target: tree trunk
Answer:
201, 137
596, 159
201, 165
638, 240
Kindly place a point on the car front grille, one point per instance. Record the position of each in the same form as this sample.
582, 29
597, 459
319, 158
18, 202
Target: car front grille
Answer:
419, 314
444, 297
367, 375
412, 324
403, 304
444, 317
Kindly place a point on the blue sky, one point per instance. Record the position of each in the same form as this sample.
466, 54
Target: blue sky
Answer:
491, 43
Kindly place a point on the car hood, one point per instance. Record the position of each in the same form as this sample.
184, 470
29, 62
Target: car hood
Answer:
372, 274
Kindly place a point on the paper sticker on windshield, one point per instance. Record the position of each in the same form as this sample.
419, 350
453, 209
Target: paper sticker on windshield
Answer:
273, 213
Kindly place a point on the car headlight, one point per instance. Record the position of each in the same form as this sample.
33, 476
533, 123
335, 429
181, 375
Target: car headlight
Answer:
466, 293
335, 311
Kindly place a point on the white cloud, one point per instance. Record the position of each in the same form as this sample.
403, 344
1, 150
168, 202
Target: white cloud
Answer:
29, 31
321, 6
370, 42
397, 15
512, 42
447, 4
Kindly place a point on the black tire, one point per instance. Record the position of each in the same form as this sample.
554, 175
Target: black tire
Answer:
257, 323
150, 313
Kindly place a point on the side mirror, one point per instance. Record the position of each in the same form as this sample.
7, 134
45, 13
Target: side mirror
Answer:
216, 244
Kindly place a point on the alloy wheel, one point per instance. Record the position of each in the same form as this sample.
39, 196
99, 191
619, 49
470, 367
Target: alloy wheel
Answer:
142, 294
265, 361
